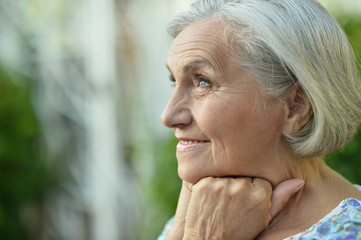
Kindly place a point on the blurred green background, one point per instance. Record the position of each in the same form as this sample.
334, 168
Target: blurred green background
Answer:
26, 176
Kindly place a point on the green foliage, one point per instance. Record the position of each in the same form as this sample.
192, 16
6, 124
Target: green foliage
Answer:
166, 166
23, 174
352, 26
164, 187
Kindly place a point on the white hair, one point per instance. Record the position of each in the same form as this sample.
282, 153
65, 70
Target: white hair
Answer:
282, 42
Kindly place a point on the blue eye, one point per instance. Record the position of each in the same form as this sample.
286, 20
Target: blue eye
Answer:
202, 82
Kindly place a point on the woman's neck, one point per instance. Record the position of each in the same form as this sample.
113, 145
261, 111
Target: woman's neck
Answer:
324, 189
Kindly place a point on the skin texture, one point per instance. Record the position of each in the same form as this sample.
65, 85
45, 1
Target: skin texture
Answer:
228, 201
218, 102
235, 167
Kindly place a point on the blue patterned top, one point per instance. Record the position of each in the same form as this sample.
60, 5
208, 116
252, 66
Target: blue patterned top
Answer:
342, 223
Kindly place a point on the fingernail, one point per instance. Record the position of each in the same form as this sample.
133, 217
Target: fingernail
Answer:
300, 185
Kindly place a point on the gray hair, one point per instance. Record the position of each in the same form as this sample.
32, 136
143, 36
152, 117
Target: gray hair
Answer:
282, 42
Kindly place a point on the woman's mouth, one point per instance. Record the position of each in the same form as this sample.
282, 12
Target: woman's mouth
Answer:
187, 145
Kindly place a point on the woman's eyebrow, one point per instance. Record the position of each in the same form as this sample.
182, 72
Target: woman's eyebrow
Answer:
196, 64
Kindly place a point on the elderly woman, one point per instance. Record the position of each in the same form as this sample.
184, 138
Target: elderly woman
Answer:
262, 90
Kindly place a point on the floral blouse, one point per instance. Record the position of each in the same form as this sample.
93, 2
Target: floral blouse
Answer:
342, 223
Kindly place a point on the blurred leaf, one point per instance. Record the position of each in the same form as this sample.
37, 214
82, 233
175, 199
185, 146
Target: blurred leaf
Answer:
24, 175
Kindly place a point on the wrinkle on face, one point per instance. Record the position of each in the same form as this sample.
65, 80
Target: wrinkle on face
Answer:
215, 44
229, 113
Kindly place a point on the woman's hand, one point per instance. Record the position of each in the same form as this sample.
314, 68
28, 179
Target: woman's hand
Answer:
229, 208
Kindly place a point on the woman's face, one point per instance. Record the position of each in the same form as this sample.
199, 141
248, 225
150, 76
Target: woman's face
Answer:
224, 125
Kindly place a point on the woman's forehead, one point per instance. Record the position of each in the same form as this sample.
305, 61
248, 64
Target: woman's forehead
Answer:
203, 41
208, 33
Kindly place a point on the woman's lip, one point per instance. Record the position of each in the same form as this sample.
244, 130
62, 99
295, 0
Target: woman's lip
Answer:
187, 145
191, 139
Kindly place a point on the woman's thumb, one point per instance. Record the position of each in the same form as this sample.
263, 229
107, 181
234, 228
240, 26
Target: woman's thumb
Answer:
282, 193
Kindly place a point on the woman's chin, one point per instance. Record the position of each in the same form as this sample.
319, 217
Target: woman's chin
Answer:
190, 175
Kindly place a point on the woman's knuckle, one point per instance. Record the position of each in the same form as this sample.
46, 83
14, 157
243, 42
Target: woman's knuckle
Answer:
203, 184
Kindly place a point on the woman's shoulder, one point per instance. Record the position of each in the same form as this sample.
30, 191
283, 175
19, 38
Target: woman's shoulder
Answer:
358, 187
344, 222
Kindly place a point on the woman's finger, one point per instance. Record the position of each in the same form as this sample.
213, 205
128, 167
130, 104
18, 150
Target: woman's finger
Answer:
228, 208
282, 193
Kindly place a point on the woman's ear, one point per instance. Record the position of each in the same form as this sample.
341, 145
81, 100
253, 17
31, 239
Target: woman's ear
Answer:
298, 109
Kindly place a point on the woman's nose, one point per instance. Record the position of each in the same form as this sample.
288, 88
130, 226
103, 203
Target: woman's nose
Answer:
176, 114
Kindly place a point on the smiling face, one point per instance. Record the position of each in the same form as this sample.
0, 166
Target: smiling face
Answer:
225, 126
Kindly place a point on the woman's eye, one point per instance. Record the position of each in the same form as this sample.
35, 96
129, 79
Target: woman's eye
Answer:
201, 82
